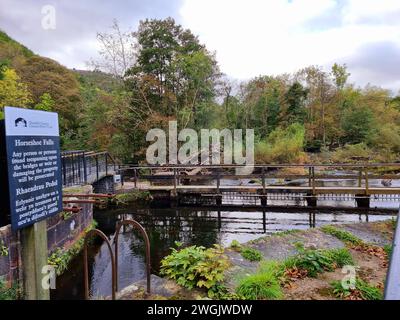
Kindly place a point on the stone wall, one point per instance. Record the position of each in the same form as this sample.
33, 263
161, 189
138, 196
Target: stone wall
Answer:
63, 230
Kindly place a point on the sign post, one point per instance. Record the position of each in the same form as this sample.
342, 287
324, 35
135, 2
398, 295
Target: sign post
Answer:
35, 187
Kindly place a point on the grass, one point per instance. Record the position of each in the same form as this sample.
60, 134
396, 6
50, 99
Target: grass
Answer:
271, 275
388, 249
251, 254
343, 235
263, 285
362, 290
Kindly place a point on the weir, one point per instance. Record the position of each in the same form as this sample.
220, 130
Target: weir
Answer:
309, 186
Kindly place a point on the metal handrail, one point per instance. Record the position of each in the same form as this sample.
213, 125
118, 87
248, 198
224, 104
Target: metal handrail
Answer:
392, 287
85, 262
285, 165
139, 227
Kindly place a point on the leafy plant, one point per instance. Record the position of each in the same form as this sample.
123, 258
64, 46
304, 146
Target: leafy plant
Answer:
343, 235
66, 215
264, 284
251, 254
318, 261
3, 249
61, 258
235, 245
196, 266
362, 291
132, 196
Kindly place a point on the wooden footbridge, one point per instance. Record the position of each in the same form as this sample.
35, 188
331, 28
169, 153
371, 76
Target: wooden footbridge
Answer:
308, 184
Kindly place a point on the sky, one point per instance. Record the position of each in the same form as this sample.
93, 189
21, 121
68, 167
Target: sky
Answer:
250, 37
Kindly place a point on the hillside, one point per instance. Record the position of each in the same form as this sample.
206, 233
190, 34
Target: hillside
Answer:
29, 80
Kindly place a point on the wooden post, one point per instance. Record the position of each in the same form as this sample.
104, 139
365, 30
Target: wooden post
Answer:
360, 178
34, 258
366, 182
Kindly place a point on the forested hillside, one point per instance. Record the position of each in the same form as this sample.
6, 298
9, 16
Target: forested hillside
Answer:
162, 72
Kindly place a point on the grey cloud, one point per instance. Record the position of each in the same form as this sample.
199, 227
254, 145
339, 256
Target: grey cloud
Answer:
77, 23
376, 63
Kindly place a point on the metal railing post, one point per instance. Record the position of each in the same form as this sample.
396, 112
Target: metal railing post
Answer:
84, 168
392, 288
175, 180
106, 163
97, 167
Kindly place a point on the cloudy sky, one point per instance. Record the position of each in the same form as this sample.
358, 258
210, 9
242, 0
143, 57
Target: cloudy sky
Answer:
250, 37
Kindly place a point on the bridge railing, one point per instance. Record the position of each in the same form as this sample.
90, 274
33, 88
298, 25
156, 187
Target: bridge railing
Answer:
82, 167
192, 174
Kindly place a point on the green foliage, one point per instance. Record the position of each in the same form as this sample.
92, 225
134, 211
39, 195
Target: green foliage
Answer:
343, 235
264, 284
352, 153
13, 92
251, 254
61, 258
388, 249
46, 103
3, 249
66, 215
196, 267
282, 146
318, 261
295, 97
8, 43
358, 125
7, 293
235, 245
132, 196
362, 290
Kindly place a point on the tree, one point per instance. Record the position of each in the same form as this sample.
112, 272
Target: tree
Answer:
43, 75
295, 99
357, 125
116, 52
340, 75
46, 103
13, 92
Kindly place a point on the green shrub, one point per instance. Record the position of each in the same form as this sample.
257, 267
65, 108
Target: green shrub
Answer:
235, 245
196, 266
264, 284
132, 196
343, 235
351, 153
251, 254
318, 261
362, 290
282, 146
